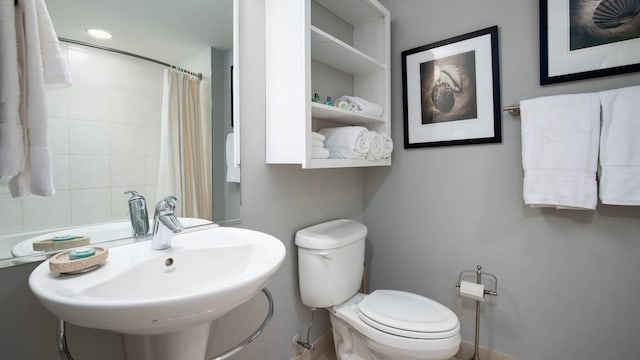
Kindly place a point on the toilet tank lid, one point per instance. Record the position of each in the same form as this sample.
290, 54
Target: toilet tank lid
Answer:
331, 234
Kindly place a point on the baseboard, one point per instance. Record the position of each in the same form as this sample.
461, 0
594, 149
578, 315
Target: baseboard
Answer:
323, 345
467, 349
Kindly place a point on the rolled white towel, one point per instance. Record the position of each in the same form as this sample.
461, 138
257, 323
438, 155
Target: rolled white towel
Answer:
317, 143
344, 104
375, 150
387, 146
364, 106
317, 136
319, 153
347, 142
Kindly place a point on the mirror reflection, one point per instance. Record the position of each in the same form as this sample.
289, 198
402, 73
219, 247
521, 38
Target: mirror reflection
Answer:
128, 123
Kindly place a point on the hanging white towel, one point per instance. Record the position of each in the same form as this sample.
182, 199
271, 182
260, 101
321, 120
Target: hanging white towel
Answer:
620, 147
347, 142
54, 63
42, 63
233, 171
11, 134
560, 151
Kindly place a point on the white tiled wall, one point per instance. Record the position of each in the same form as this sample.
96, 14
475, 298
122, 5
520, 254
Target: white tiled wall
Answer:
104, 133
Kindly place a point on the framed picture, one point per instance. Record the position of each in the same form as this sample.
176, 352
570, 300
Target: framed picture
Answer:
451, 91
583, 39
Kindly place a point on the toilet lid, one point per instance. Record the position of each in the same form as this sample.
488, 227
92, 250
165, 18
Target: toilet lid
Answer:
408, 315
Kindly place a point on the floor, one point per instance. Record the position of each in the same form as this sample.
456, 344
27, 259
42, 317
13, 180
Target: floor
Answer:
330, 355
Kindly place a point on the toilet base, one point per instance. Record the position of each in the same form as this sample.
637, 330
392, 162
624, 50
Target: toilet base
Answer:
351, 343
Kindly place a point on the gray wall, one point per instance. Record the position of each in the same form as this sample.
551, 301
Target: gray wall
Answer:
28, 331
568, 279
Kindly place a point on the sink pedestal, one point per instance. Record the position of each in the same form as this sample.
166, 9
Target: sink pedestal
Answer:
186, 344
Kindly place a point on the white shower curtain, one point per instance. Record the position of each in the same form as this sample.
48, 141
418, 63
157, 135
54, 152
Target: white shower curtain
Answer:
183, 169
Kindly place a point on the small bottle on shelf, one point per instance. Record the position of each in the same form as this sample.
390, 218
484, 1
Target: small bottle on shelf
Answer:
329, 101
315, 98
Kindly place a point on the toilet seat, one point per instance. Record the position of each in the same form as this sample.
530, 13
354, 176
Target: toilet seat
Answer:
407, 315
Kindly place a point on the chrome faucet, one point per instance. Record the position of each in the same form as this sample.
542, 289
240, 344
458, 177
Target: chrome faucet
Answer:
138, 214
165, 223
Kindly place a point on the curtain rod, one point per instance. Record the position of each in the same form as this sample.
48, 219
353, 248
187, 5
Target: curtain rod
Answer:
198, 75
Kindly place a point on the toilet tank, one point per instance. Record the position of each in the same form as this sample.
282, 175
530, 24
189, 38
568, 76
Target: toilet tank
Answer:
330, 262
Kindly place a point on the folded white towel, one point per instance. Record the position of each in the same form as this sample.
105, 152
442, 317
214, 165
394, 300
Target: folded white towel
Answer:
560, 150
387, 146
317, 136
376, 146
11, 134
233, 172
358, 104
316, 143
319, 153
620, 147
347, 142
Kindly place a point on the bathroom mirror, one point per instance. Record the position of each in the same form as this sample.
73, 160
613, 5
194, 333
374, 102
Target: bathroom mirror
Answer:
105, 129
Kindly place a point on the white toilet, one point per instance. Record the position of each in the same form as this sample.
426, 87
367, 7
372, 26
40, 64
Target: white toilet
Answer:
384, 325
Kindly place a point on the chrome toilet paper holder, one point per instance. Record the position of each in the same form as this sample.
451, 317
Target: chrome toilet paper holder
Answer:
479, 275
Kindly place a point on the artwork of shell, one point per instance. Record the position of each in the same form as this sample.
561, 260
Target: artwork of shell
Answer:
595, 23
615, 13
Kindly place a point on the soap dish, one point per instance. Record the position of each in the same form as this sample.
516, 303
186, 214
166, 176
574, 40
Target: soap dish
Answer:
63, 264
61, 243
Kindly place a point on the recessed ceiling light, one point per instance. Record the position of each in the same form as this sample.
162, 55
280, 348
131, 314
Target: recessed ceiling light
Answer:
99, 34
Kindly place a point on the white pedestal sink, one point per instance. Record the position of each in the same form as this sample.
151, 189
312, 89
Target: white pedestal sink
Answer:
166, 296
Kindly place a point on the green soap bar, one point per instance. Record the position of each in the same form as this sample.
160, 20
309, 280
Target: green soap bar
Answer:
81, 253
63, 237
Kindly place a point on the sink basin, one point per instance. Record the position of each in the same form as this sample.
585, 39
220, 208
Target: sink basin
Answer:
141, 291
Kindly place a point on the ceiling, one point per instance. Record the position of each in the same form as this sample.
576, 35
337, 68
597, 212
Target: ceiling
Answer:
166, 30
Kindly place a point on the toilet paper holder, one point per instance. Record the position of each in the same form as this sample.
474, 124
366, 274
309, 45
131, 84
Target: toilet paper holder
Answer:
479, 275
494, 292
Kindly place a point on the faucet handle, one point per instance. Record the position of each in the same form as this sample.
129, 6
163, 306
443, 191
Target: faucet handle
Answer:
167, 204
165, 214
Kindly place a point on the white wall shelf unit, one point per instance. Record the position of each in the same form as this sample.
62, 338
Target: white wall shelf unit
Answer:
326, 112
333, 48
334, 52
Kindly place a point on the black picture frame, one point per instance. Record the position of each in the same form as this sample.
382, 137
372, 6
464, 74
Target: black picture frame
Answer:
578, 42
451, 91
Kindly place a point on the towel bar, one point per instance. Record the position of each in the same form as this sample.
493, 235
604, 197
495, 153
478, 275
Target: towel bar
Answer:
513, 109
